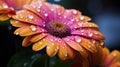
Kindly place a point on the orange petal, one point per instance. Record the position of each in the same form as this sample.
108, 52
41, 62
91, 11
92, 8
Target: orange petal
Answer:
76, 46
86, 18
86, 43
84, 25
18, 23
28, 17
91, 33
65, 52
117, 64
26, 42
52, 46
40, 8
40, 44
38, 37
4, 17
30, 30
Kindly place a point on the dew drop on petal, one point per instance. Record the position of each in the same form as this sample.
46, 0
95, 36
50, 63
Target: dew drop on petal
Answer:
4, 5
38, 10
46, 14
33, 28
74, 12
65, 16
66, 55
59, 13
30, 17
82, 30
52, 9
80, 24
16, 33
90, 35
78, 40
72, 20
81, 17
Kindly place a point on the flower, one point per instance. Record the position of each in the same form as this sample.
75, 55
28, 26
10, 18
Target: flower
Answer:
9, 7
102, 58
113, 59
62, 31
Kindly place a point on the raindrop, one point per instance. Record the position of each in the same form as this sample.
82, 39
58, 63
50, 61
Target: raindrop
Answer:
52, 9
82, 30
57, 0
38, 10
78, 40
66, 55
65, 16
59, 13
33, 28
46, 14
74, 12
16, 33
30, 17
80, 24
72, 20
5, 6
90, 35
81, 17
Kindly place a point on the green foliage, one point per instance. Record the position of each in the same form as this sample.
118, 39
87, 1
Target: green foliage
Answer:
29, 58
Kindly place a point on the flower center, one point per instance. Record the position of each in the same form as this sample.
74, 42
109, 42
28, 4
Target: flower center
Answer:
58, 29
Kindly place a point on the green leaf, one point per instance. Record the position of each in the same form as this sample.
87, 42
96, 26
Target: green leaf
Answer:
23, 59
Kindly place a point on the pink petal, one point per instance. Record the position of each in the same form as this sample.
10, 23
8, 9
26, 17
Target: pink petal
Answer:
91, 33
28, 17
40, 8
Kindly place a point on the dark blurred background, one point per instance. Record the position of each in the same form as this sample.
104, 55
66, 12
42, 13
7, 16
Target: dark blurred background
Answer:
105, 13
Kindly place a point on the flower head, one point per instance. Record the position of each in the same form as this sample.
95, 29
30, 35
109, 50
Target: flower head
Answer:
9, 7
102, 58
62, 31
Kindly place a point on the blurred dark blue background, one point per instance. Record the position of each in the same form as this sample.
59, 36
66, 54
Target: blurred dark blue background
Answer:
106, 13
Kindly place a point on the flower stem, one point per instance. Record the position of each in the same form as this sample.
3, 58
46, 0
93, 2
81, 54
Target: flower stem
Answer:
47, 61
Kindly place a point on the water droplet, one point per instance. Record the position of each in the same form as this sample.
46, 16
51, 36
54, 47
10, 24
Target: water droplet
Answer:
66, 55
72, 20
65, 16
90, 35
46, 14
81, 17
78, 40
57, 0
33, 28
59, 13
16, 33
89, 46
93, 41
38, 10
74, 12
95, 33
80, 24
30, 17
82, 30
102, 43
52, 9
4, 5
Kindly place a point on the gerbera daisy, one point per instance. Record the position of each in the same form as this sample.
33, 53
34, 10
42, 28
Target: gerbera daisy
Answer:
9, 7
62, 31
102, 58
